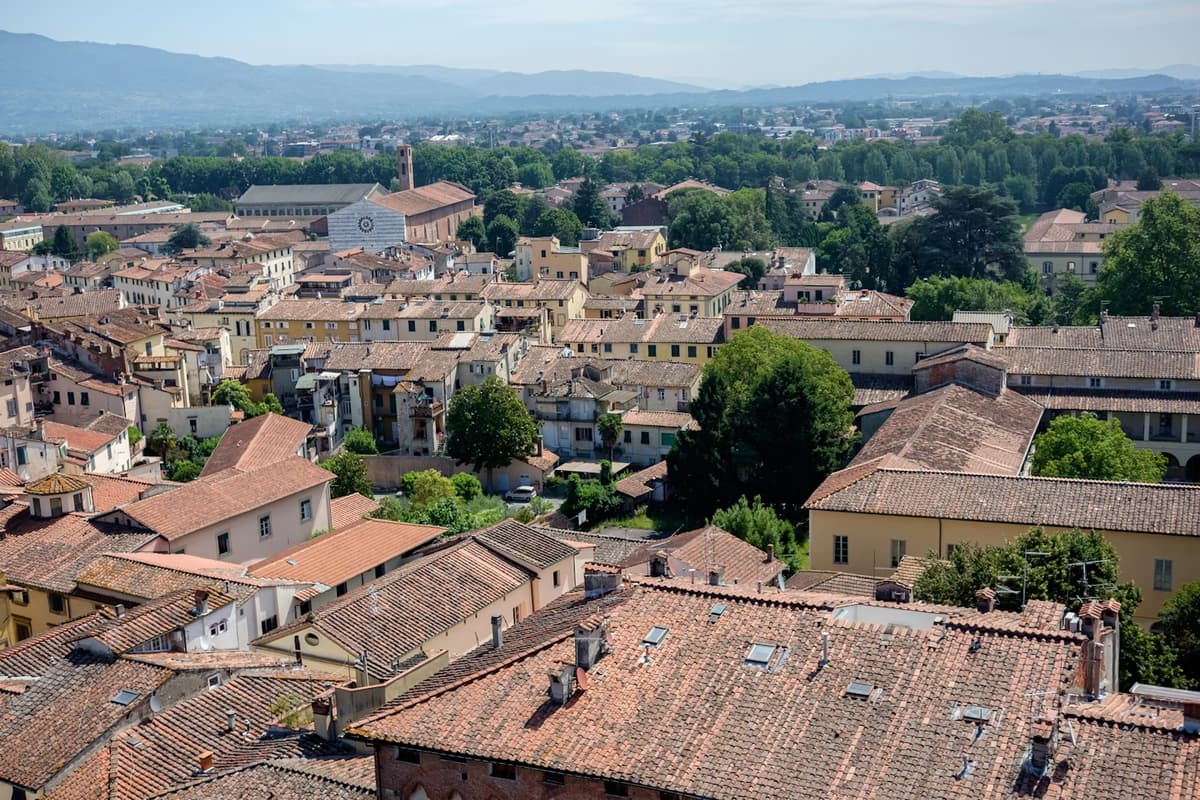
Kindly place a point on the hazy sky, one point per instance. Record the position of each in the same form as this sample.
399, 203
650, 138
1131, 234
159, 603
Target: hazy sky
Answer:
721, 42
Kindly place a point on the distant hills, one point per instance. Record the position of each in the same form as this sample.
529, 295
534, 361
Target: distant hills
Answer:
67, 86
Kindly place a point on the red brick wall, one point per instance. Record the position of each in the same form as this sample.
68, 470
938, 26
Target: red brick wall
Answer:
442, 778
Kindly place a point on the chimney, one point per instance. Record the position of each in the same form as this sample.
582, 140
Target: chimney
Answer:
1191, 716
770, 553
591, 642
985, 601
230, 720
497, 631
660, 565
205, 759
1196, 322
1097, 651
716, 576
201, 602
120, 609
1043, 743
322, 710
1154, 311
824, 649
562, 684
597, 583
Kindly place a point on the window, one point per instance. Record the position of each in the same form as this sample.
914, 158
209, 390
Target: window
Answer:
305, 510
78, 499
583, 434
12, 408
433, 326
341, 589
667, 439
70, 398
57, 398
555, 578
412, 326
899, 546
516, 615
1026, 380
645, 437
652, 350
760, 655
633, 349
379, 570
662, 395
735, 322
309, 326
691, 351
1094, 267
58, 603
674, 351
554, 778
608, 347
24, 628
409, 756
628, 437
1070, 266
1095, 383
223, 543
331, 326
269, 624
387, 324
675, 308
856, 356
1165, 385
1162, 574
841, 549
504, 771
56, 507
1047, 267
615, 789
264, 527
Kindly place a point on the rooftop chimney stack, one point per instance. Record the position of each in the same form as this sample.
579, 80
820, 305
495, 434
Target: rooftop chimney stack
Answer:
201, 602
120, 609
230, 720
716, 576
497, 631
985, 601
322, 709
1043, 743
824, 648
591, 642
205, 760
770, 553
562, 684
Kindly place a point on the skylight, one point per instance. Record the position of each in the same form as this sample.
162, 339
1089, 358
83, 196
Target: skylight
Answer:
860, 690
760, 654
716, 611
977, 713
655, 636
125, 697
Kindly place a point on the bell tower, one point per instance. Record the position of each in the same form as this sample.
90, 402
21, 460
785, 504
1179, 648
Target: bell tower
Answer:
404, 166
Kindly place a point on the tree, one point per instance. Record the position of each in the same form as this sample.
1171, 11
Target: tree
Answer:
63, 244
360, 440
350, 475
774, 419
503, 204
161, 440
1158, 257
467, 486
562, 223
757, 524
975, 233
488, 426
1074, 195
269, 405
209, 202
1179, 624
1095, 449
1148, 180
427, 487
936, 299
186, 237
536, 175
135, 435
232, 392
472, 230
1073, 301
99, 243
598, 499
634, 194
502, 235
591, 208
183, 471
700, 220
752, 268
609, 426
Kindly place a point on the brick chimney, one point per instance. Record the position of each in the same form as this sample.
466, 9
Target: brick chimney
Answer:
1043, 744
660, 565
205, 761
1099, 665
322, 710
985, 600
591, 642
716, 576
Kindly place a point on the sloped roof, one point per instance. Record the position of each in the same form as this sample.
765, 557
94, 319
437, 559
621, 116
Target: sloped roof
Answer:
526, 543
705, 549
346, 510
49, 554
434, 196
308, 194
348, 778
258, 442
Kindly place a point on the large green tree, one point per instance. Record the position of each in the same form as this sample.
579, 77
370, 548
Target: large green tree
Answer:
360, 440
186, 237
488, 426
975, 234
937, 298
1155, 259
774, 419
1088, 447
472, 230
1179, 624
350, 475
502, 235
591, 208
99, 243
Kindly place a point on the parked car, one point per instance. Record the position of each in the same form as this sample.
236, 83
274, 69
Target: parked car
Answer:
521, 494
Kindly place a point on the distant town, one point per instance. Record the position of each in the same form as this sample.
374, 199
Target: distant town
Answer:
805, 450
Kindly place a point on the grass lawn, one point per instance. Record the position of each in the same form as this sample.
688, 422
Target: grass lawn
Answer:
1025, 222
661, 519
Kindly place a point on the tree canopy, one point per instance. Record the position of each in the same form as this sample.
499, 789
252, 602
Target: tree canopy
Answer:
1155, 259
186, 237
360, 440
937, 298
1088, 447
774, 419
759, 525
350, 475
487, 426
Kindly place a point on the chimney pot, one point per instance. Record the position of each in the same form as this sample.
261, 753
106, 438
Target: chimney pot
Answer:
230, 720
201, 602
985, 600
120, 609
205, 759
716, 576
770, 553
497, 631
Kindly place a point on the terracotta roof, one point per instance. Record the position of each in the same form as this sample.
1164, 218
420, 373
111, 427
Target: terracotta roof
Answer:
157, 617
911, 568
829, 582
391, 356
106, 422
151, 575
56, 483
213, 498
160, 754
81, 439
540, 290
663, 329
609, 550
1102, 400
1103, 363
396, 615
525, 543
1114, 333
882, 331
346, 510
348, 552
258, 442
706, 549
50, 553
682, 717
678, 420
871, 389
639, 484
422, 199
295, 779
703, 283
111, 491
96, 301
957, 429
1161, 508
311, 310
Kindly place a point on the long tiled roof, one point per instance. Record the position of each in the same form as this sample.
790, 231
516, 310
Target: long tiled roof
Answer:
527, 544
213, 498
258, 442
663, 329
1101, 400
957, 429
395, 615
881, 331
304, 194
1160, 508
344, 511
1114, 333
152, 575
49, 554
155, 618
312, 310
422, 199
110, 491
690, 716
638, 485
294, 779
609, 550
347, 552
1106, 363
705, 549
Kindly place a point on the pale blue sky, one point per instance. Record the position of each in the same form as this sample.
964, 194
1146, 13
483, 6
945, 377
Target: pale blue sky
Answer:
724, 42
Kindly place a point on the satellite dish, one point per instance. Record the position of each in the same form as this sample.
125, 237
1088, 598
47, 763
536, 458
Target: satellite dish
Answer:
204, 645
155, 704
